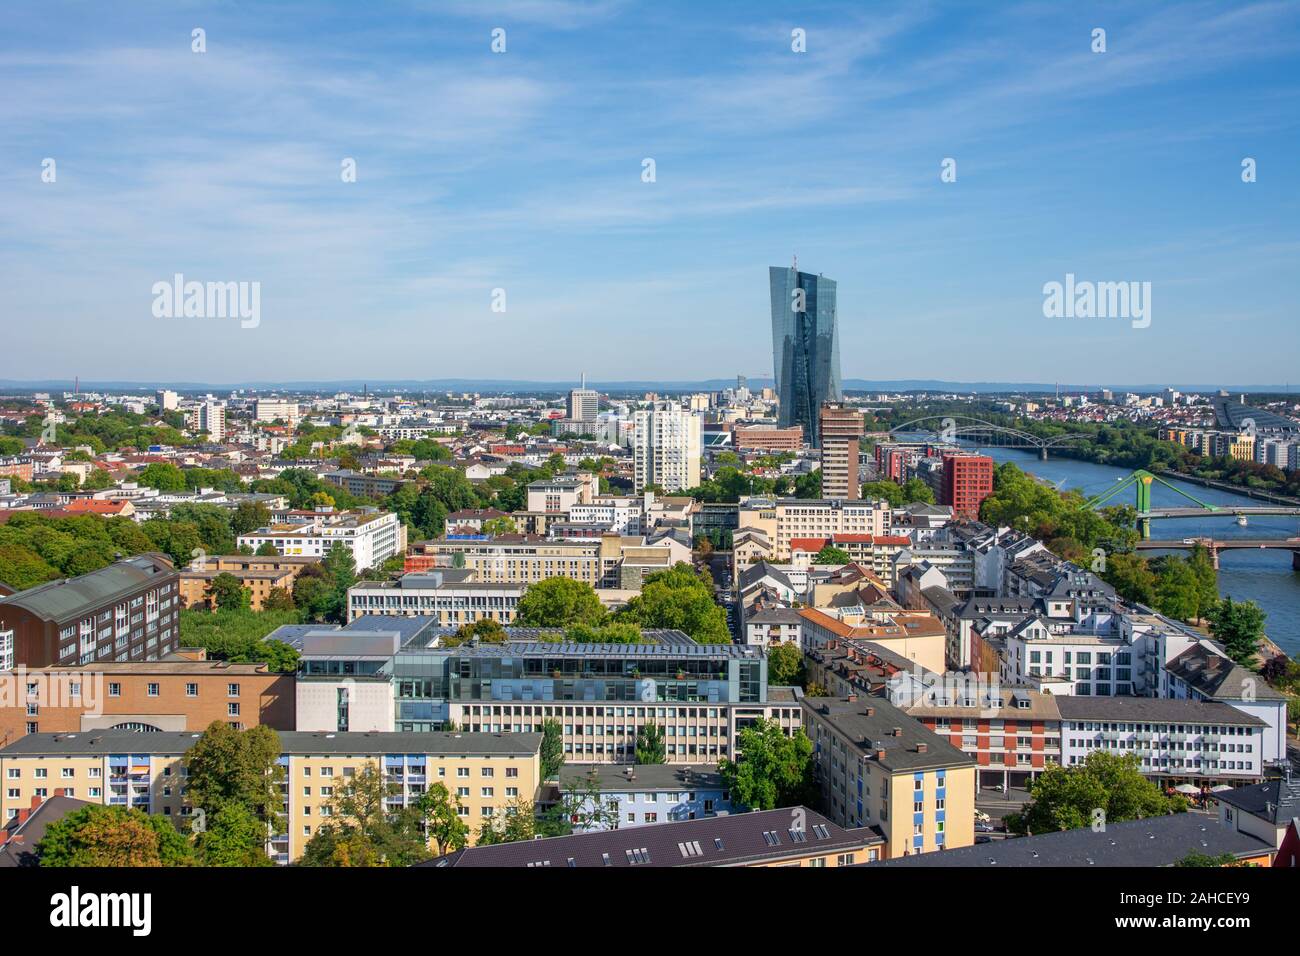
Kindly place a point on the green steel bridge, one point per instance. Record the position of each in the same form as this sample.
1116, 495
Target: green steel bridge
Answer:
1142, 481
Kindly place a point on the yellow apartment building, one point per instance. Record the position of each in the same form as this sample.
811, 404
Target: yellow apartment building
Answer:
146, 771
878, 767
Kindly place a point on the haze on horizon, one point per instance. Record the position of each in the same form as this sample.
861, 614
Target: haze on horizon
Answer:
522, 171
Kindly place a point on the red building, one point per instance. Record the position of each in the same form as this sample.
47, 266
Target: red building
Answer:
967, 481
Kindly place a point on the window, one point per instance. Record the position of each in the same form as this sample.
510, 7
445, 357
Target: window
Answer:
151, 689
232, 690
191, 690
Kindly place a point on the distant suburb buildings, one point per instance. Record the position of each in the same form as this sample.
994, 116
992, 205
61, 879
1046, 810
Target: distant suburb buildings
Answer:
805, 347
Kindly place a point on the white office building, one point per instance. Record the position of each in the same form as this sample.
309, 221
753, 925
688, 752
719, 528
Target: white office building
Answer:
666, 447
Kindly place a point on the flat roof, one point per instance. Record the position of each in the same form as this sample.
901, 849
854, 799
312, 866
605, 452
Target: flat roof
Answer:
96, 743
613, 777
1157, 709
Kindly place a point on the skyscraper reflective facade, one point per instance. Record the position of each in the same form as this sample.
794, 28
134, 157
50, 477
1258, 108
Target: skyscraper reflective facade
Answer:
805, 347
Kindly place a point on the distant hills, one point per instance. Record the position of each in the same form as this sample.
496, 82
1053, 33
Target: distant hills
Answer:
635, 385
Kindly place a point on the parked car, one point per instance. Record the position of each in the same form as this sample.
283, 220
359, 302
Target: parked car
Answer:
982, 827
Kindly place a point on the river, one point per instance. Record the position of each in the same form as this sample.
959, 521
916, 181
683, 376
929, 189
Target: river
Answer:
1265, 577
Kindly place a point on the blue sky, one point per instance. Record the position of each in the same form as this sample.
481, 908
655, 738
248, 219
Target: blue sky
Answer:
522, 171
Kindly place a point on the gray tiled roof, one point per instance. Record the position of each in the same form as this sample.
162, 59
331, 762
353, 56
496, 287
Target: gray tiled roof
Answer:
1156, 841
870, 733
1215, 675
724, 840
1274, 800
70, 597
1158, 709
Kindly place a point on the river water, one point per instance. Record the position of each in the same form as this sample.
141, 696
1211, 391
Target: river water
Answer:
1265, 577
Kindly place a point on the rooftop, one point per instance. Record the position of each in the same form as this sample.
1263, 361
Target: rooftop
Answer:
725, 840
881, 731
1157, 709
1156, 841
70, 597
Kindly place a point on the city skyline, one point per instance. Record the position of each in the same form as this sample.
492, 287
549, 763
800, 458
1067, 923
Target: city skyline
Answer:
471, 175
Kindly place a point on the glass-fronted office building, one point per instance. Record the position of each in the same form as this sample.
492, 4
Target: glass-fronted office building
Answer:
805, 347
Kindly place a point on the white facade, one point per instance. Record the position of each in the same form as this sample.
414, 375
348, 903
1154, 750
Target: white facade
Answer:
270, 409
372, 538
1191, 749
666, 446
364, 706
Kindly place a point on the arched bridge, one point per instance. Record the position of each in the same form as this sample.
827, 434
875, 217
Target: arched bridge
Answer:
953, 428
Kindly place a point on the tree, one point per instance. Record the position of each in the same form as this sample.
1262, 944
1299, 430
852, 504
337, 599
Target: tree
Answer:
607, 632
485, 630
362, 831
832, 555
249, 516
773, 770
809, 485
315, 593
1176, 589
267, 550
583, 807
1106, 787
559, 602
915, 490
517, 823
237, 767
681, 599
785, 664
650, 745
233, 836
442, 819
162, 475
1131, 576
1239, 625
1206, 580
226, 593
496, 526
113, 836
278, 599
888, 490
1198, 859
552, 748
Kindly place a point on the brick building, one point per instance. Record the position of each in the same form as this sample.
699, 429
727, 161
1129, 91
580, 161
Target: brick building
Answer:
124, 612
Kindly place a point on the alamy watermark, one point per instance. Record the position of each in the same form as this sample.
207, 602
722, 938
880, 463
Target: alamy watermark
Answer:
1098, 300
208, 300
83, 690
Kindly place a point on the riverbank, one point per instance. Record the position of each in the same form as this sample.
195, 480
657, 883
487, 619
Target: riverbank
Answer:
1255, 493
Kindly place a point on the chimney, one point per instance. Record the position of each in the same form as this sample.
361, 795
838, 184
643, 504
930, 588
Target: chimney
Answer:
922, 748
852, 698
898, 731
880, 755
870, 711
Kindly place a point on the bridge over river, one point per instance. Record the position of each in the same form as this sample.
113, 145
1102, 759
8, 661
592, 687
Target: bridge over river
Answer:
1216, 545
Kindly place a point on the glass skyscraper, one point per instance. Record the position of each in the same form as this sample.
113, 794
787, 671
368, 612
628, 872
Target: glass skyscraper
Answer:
805, 347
